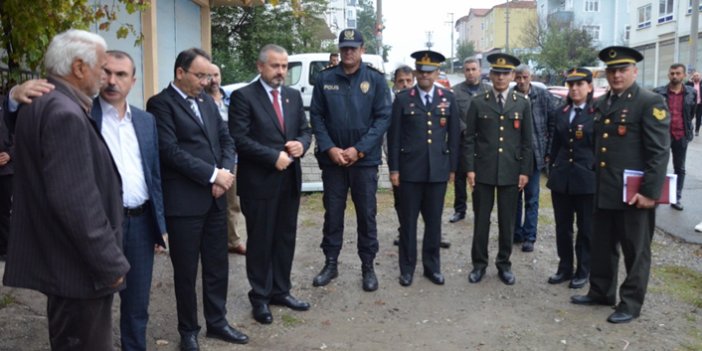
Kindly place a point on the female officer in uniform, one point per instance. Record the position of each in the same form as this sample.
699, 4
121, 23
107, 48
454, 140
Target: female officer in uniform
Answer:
572, 178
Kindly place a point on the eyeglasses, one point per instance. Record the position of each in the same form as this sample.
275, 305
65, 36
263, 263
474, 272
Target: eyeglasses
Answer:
200, 76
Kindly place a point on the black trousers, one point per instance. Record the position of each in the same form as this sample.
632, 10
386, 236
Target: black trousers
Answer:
567, 209
460, 199
5, 207
698, 117
427, 199
483, 201
271, 227
678, 149
192, 239
80, 324
632, 230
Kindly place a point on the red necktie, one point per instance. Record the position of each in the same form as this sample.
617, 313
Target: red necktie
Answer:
276, 107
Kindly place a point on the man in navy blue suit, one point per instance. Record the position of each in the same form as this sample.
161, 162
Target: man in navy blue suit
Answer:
131, 136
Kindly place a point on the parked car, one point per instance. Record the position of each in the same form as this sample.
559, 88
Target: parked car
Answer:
303, 70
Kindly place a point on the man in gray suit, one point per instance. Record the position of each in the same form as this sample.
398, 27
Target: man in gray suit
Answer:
65, 239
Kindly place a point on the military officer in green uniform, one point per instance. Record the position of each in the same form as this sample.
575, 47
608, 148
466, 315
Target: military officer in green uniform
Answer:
498, 157
631, 127
423, 144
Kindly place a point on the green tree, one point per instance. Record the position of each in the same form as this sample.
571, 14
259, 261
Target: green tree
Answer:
366, 22
560, 46
465, 50
238, 33
28, 26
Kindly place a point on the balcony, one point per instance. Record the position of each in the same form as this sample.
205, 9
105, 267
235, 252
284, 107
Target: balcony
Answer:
561, 17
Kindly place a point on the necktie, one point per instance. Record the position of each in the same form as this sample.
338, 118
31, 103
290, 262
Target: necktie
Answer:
196, 110
578, 110
276, 107
499, 101
612, 99
427, 100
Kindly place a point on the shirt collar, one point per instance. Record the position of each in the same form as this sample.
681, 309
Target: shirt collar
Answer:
267, 87
108, 109
504, 94
422, 93
180, 92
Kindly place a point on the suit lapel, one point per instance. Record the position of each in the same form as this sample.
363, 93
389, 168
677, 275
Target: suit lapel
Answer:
142, 134
185, 105
265, 101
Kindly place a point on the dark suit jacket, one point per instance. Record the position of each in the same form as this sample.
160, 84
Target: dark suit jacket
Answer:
633, 133
572, 153
497, 145
423, 140
259, 138
66, 236
190, 151
146, 133
6, 142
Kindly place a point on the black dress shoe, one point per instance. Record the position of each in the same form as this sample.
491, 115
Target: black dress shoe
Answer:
396, 242
587, 300
370, 281
228, 334
620, 317
405, 279
290, 302
457, 217
476, 275
329, 272
262, 314
577, 283
189, 343
528, 246
558, 278
444, 244
507, 277
435, 277
678, 206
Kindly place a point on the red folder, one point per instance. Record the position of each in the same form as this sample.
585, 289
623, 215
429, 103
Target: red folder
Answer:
632, 183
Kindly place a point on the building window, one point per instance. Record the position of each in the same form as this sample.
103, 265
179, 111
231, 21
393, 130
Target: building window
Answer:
689, 7
594, 32
592, 5
627, 33
644, 16
665, 11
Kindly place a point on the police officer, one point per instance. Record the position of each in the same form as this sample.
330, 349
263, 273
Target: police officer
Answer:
422, 156
465, 91
498, 156
631, 132
572, 178
350, 112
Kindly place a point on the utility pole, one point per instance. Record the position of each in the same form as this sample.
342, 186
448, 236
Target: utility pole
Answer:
507, 28
379, 26
429, 43
694, 29
452, 44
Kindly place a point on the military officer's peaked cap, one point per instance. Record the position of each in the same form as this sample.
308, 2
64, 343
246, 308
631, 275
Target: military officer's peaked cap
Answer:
501, 62
578, 74
427, 60
619, 56
350, 37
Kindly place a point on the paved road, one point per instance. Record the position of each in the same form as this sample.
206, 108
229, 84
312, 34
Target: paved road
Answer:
677, 223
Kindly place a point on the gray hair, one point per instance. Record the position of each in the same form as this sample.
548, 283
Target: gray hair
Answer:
523, 68
263, 54
70, 45
471, 59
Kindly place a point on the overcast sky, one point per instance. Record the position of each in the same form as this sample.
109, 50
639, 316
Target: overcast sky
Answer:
407, 21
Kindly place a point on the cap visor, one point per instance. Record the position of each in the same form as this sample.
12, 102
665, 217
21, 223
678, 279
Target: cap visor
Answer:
425, 68
349, 44
500, 70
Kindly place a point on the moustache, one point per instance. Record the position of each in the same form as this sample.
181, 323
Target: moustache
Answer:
111, 89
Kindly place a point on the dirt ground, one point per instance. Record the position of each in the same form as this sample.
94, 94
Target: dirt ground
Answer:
530, 315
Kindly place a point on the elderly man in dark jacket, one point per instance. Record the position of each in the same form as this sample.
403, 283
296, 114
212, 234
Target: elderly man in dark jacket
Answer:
541, 104
681, 100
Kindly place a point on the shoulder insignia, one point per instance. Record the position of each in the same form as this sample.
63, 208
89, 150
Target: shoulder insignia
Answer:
659, 113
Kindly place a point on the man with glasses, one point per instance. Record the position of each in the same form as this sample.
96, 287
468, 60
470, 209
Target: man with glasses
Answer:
197, 159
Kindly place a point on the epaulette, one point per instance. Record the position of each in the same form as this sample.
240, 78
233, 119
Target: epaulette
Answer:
326, 68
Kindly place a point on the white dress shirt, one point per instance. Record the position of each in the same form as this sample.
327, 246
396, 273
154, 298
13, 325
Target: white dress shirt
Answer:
121, 139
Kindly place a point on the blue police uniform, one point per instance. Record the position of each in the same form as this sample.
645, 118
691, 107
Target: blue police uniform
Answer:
350, 111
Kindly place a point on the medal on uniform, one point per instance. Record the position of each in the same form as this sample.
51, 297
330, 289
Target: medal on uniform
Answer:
621, 130
442, 122
516, 120
579, 132
365, 86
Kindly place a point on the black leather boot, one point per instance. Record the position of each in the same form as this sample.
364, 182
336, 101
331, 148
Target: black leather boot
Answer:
328, 273
370, 281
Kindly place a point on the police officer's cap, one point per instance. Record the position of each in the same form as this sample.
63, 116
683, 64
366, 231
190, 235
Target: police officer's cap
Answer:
350, 38
619, 56
578, 74
500, 62
427, 60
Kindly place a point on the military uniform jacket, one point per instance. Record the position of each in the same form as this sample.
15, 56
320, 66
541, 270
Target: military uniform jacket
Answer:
633, 133
464, 97
497, 144
350, 110
572, 153
423, 140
